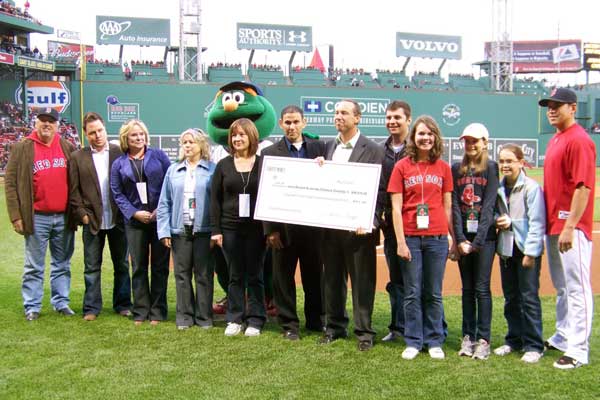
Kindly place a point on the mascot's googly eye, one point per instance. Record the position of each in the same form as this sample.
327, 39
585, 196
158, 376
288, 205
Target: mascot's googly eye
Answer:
238, 97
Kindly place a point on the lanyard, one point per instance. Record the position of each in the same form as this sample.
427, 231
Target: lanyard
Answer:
422, 183
139, 173
244, 181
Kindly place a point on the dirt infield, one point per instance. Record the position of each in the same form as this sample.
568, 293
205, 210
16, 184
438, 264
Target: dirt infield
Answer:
453, 286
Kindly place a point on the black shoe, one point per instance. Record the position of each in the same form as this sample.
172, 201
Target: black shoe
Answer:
66, 311
365, 345
291, 335
32, 316
548, 346
328, 338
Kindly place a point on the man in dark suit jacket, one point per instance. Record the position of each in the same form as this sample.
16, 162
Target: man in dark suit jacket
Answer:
93, 207
350, 253
293, 243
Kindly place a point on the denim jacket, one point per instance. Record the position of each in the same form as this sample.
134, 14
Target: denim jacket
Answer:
527, 213
169, 215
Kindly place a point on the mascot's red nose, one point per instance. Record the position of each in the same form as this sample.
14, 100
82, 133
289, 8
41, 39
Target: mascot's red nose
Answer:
230, 105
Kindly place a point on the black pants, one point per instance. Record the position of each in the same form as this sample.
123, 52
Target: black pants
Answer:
93, 247
345, 253
193, 263
303, 245
244, 253
149, 298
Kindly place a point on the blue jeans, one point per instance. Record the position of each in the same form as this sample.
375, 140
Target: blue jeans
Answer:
475, 273
93, 249
395, 286
423, 276
50, 230
522, 307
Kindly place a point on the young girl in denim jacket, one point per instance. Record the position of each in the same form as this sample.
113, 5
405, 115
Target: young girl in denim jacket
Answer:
521, 223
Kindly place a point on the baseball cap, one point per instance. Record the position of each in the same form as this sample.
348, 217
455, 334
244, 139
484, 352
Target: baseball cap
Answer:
559, 95
242, 85
475, 130
48, 112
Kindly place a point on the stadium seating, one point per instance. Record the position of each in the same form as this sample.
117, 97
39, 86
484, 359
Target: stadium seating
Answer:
394, 80
466, 82
308, 77
266, 77
357, 80
224, 74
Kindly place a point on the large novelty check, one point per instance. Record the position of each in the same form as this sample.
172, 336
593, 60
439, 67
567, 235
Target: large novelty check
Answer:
334, 195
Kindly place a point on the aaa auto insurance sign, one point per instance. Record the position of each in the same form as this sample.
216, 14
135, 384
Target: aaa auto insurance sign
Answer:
45, 94
274, 37
428, 46
133, 31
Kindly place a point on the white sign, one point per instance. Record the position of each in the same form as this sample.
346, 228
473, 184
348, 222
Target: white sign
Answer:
67, 35
334, 195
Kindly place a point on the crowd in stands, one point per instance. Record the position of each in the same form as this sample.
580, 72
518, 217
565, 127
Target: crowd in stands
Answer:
458, 75
224, 65
14, 127
9, 9
8, 46
387, 71
264, 67
147, 63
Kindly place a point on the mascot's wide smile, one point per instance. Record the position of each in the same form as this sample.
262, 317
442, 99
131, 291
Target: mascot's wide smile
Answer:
240, 100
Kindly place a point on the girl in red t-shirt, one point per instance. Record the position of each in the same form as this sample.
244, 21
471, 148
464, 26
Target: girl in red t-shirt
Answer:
421, 192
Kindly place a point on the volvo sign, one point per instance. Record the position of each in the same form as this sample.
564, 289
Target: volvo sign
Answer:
428, 46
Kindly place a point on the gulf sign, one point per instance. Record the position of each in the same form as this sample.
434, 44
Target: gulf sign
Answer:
45, 94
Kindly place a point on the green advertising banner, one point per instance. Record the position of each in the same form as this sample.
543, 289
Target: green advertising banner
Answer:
274, 37
133, 31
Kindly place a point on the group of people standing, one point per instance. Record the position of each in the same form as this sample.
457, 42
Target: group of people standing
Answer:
483, 214
427, 210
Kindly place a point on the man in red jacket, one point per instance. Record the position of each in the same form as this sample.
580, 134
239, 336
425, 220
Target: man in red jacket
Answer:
37, 194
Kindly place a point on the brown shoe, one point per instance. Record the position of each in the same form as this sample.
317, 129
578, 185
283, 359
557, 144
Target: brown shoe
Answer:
154, 322
90, 317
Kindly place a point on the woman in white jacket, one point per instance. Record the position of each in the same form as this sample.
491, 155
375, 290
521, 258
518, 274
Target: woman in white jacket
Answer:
522, 223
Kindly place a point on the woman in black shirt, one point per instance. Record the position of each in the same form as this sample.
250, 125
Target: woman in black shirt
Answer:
233, 198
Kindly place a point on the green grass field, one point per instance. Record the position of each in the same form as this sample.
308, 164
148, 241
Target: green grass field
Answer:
67, 358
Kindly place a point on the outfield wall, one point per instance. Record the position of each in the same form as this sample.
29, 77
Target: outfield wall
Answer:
169, 108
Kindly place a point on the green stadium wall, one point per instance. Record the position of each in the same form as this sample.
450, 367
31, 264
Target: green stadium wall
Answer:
170, 108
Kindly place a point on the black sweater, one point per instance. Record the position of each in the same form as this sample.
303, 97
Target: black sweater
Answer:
227, 185
482, 191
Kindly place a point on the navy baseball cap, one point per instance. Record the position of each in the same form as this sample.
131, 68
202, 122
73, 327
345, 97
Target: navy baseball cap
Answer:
242, 85
559, 95
47, 112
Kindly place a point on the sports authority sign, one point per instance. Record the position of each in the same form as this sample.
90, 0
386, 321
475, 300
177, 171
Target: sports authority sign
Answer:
428, 46
274, 37
133, 31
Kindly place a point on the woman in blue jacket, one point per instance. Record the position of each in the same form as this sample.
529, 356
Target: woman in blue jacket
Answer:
183, 219
522, 223
136, 181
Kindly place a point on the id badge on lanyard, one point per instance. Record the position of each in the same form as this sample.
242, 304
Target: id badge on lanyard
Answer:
141, 189
472, 220
422, 216
244, 205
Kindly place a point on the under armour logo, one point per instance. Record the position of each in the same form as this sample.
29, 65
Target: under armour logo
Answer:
292, 36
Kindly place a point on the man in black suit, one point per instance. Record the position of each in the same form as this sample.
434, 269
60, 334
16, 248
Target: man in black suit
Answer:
93, 207
292, 243
350, 253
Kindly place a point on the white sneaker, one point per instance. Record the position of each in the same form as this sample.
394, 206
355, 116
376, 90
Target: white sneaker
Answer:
503, 350
410, 353
251, 331
482, 350
531, 357
233, 329
390, 337
466, 347
436, 353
